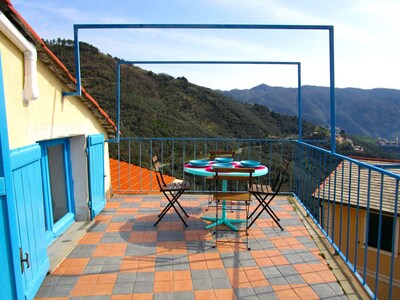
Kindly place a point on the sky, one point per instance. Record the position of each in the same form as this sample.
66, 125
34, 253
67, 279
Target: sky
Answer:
366, 38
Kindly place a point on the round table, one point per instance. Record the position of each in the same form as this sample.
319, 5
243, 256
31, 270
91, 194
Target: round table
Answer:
208, 171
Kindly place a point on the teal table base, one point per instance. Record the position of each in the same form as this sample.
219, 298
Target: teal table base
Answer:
223, 220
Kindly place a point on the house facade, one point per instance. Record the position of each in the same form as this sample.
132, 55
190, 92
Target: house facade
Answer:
54, 162
364, 223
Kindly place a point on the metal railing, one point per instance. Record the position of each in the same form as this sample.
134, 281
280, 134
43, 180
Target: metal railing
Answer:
175, 152
354, 204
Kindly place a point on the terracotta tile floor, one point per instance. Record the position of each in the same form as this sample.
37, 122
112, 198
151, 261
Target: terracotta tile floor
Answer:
123, 256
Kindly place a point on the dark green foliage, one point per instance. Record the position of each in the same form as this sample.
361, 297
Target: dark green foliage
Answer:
159, 105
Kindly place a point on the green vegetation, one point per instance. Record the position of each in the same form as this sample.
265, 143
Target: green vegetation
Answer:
159, 105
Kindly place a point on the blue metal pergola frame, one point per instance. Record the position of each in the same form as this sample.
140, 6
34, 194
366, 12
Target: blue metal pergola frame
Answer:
328, 28
298, 64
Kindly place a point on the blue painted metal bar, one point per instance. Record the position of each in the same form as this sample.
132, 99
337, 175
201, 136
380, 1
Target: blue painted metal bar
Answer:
332, 90
219, 26
357, 221
364, 277
119, 63
379, 241
140, 160
341, 207
78, 91
118, 104
299, 103
203, 26
394, 233
129, 159
329, 197
151, 154
348, 212
334, 200
204, 62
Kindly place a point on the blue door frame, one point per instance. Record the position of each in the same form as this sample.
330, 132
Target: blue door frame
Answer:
10, 266
55, 228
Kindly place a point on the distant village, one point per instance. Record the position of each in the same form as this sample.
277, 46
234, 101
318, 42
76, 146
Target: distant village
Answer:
340, 139
386, 143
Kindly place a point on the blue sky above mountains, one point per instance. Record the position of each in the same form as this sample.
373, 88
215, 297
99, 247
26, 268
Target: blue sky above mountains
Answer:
367, 43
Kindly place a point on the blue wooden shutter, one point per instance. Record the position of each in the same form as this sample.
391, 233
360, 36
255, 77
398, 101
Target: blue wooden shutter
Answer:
97, 199
28, 195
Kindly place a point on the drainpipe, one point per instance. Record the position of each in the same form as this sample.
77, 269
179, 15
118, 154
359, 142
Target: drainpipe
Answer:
31, 90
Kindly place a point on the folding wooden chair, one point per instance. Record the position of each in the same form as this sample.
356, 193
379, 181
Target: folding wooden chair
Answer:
265, 194
172, 191
237, 198
212, 155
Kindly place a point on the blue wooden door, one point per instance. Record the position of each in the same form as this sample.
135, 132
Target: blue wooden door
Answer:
58, 191
29, 206
95, 148
10, 270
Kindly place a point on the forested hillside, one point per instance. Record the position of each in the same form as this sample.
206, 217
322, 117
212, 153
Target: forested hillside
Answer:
371, 113
159, 105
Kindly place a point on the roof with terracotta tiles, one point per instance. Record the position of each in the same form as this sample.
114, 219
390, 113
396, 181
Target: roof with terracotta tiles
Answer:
54, 64
362, 186
126, 178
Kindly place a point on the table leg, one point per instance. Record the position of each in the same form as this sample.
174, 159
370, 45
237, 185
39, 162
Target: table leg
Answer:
223, 220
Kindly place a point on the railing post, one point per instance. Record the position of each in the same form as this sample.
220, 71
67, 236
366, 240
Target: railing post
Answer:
332, 89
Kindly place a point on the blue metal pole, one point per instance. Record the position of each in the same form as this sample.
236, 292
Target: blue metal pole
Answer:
202, 26
332, 89
78, 91
186, 26
299, 102
379, 241
396, 200
364, 277
118, 104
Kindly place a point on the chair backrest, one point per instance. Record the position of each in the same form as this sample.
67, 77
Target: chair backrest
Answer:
221, 153
281, 176
157, 168
241, 174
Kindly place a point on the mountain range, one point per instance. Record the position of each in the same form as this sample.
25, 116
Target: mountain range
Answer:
370, 113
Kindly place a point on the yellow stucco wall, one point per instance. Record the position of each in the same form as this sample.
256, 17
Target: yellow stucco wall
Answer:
356, 247
51, 115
